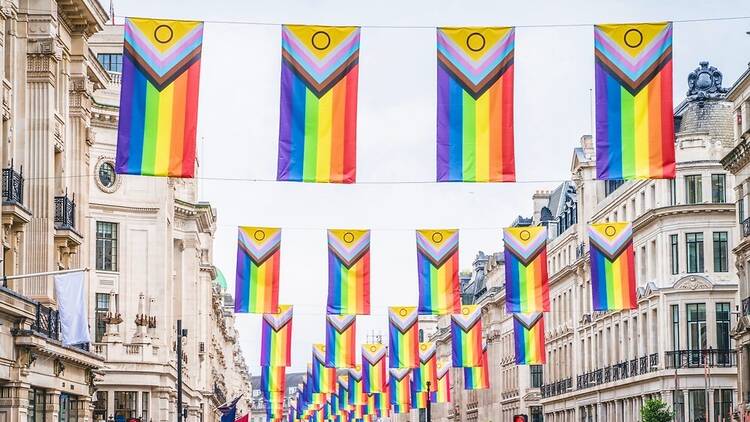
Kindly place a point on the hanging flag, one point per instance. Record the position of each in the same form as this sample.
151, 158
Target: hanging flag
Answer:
276, 338
466, 337
343, 392
318, 130
258, 261
612, 266
161, 66
403, 336
478, 378
427, 371
323, 378
437, 264
71, 303
418, 399
527, 288
528, 335
272, 379
475, 104
443, 390
228, 410
379, 404
373, 367
349, 272
634, 120
399, 381
356, 395
341, 338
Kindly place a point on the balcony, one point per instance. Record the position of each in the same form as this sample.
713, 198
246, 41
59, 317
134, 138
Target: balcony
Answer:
700, 359
557, 388
65, 213
12, 186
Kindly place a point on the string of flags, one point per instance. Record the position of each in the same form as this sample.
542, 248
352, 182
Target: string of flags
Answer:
318, 108
395, 377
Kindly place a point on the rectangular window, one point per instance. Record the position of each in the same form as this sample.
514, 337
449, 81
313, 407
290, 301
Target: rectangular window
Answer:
536, 414
694, 252
125, 404
697, 409
145, 406
718, 188
675, 327
678, 406
106, 246
693, 189
611, 186
722, 405
721, 252
741, 210
672, 192
536, 375
102, 307
100, 407
37, 409
111, 62
674, 249
697, 337
722, 333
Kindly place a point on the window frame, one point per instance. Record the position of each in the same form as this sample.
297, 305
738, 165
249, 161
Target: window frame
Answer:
102, 242
721, 252
693, 189
722, 189
696, 241
674, 251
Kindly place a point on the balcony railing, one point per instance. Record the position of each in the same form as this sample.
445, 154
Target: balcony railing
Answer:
47, 323
616, 372
700, 358
12, 186
65, 213
557, 388
746, 227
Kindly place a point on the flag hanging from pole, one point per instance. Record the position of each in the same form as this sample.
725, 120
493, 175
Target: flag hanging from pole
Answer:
527, 285
612, 266
257, 279
437, 265
71, 304
349, 272
323, 378
276, 338
478, 378
427, 371
443, 390
403, 336
399, 381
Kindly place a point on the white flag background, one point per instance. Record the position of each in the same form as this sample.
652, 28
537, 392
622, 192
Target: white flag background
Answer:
71, 302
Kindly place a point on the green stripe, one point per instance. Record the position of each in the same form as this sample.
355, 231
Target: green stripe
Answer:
628, 133
344, 277
309, 170
150, 127
469, 138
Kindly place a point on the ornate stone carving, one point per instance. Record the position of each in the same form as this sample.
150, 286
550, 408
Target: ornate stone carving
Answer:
705, 84
692, 283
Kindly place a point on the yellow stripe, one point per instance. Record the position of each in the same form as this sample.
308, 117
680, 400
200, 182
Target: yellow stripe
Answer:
530, 300
261, 283
441, 285
482, 153
325, 128
164, 132
617, 283
640, 114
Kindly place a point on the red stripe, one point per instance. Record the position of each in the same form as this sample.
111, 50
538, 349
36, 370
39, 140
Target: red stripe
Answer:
191, 120
365, 262
496, 134
177, 142
544, 280
274, 299
350, 127
629, 277
508, 167
667, 126
655, 165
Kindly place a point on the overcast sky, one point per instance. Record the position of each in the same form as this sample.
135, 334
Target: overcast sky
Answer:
238, 125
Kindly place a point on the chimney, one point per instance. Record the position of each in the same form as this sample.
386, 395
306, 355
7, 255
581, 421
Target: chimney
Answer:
541, 199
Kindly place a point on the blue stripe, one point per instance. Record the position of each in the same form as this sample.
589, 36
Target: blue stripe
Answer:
296, 164
138, 121
456, 131
598, 280
614, 135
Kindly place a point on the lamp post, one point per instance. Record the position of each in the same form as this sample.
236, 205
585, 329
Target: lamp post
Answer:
180, 334
429, 404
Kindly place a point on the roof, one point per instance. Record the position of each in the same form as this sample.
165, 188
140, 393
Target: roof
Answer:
220, 279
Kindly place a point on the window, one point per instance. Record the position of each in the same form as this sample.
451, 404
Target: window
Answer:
721, 252
678, 406
741, 209
694, 252
102, 307
536, 375
611, 186
722, 333
722, 405
145, 406
675, 253
421, 335
37, 405
675, 327
697, 409
693, 189
536, 414
107, 175
125, 404
111, 62
718, 188
697, 338
672, 192
106, 246
100, 406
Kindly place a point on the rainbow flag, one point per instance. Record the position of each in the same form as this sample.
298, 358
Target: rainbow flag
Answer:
528, 336
634, 120
475, 105
478, 378
378, 404
527, 286
612, 266
323, 377
343, 392
273, 379
443, 391
427, 371
466, 337
418, 399
437, 263
356, 394
349, 272
403, 337
161, 68
399, 381
341, 337
373, 367
276, 338
257, 282
318, 130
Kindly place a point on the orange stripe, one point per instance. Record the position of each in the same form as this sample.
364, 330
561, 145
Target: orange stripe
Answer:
337, 133
178, 124
654, 127
496, 133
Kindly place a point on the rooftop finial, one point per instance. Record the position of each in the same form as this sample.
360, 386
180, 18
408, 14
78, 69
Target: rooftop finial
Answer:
705, 83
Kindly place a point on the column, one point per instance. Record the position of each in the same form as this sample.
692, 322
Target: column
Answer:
52, 405
14, 401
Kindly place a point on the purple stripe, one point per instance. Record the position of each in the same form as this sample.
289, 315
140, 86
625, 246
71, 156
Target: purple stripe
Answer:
126, 111
602, 125
285, 122
443, 125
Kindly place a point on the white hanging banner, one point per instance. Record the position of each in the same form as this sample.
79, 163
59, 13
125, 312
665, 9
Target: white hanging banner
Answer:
71, 303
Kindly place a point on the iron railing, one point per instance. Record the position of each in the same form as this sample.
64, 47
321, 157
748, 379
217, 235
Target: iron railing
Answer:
700, 358
65, 213
12, 185
616, 372
557, 388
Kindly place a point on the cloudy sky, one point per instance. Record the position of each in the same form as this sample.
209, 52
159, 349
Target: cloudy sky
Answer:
238, 128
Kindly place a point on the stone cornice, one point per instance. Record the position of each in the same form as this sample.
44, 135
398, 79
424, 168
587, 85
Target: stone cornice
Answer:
125, 208
738, 157
675, 210
82, 16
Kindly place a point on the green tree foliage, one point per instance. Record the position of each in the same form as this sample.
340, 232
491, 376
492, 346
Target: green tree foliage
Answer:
655, 410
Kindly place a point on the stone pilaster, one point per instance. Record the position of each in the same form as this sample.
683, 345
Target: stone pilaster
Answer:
52, 405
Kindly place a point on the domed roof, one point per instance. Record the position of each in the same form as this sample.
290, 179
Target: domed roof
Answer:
220, 280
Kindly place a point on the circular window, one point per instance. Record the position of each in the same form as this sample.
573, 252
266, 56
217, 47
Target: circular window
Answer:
107, 175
